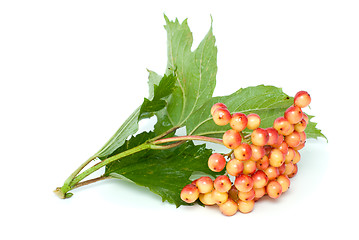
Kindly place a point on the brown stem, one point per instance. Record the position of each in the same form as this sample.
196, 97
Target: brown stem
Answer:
184, 138
87, 182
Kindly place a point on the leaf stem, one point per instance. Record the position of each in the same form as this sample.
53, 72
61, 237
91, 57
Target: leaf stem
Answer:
185, 138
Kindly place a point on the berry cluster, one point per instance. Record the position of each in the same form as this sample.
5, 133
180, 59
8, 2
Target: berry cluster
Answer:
259, 163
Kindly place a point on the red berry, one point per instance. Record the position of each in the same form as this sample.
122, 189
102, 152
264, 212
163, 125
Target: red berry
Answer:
189, 193
302, 99
243, 152
222, 183
221, 116
274, 189
283, 126
232, 139
216, 106
259, 137
272, 136
245, 206
216, 162
293, 114
204, 184
253, 121
246, 196
293, 139
276, 158
229, 208
234, 167
260, 179
238, 121
243, 183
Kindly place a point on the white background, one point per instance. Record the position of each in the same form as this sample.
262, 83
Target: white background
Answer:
72, 71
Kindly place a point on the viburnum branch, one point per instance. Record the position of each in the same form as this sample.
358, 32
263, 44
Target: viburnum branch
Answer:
186, 138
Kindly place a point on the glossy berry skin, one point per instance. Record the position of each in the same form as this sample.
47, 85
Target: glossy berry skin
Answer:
246, 196
295, 171
216, 106
216, 162
222, 183
189, 193
302, 99
271, 172
243, 183
272, 136
290, 155
257, 152
206, 199
243, 152
283, 126
204, 184
293, 139
260, 179
301, 125
289, 168
245, 206
263, 163
232, 139
234, 167
274, 189
229, 208
249, 167
219, 197
276, 158
238, 121
259, 137
284, 181
259, 193
221, 116
253, 121
293, 114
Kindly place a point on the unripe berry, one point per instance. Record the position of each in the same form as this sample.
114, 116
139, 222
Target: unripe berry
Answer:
296, 158
271, 172
221, 116
281, 169
189, 193
302, 99
260, 179
234, 167
290, 155
293, 139
206, 199
253, 121
274, 189
276, 158
238, 121
293, 114
295, 171
249, 167
246, 196
284, 181
222, 183
204, 184
300, 126
272, 136
243, 183
216, 106
229, 208
257, 152
263, 163
219, 197
243, 152
259, 137
259, 193
216, 162
289, 167
232, 139
283, 126
245, 206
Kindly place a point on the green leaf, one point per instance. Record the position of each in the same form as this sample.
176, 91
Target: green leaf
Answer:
268, 102
164, 172
165, 88
195, 72
159, 88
